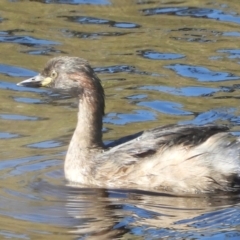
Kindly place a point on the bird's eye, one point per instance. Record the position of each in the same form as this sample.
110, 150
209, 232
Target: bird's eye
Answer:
53, 74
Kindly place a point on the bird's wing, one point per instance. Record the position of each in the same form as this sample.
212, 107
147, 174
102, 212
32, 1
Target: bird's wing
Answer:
148, 142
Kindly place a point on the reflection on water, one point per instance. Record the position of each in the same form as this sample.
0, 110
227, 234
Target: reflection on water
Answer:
160, 62
115, 213
201, 73
196, 12
92, 20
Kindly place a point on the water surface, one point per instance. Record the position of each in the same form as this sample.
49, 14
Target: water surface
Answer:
160, 62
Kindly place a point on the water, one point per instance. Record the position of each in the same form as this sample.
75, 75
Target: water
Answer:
160, 62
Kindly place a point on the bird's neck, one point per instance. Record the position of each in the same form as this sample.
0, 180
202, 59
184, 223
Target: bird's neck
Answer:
86, 141
88, 133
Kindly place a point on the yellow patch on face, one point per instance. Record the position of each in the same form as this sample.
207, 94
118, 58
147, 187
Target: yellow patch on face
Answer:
46, 81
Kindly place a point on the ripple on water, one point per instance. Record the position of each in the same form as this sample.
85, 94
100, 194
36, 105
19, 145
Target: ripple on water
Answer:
7, 135
231, 34
232, 53
116, 69
20, 117
43, 50
75, 2
214, 115
137, 96
9, 37
125, 118
92, 35
123, 68
35, 201
86, 20
218, 219
93, 20
166, 107
201, 73
193, 91
195, 12
36, 46
199, 35
46, 144
13, 71
147, 214
125, 25
14, 87
28, 100
34, 166
19, 166
154, 55
22, 201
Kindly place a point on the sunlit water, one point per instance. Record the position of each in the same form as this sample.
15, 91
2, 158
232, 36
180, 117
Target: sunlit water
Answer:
160, 62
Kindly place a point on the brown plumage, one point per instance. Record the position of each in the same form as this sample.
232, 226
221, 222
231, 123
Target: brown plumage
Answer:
174, 158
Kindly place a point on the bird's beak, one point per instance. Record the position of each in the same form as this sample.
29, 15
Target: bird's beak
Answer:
37, 81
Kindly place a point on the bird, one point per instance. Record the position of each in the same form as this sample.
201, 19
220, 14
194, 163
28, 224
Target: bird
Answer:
173, 158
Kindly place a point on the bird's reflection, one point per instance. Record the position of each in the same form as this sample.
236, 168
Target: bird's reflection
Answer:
113, 213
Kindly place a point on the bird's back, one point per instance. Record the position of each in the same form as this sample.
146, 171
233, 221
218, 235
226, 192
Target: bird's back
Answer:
175, 158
